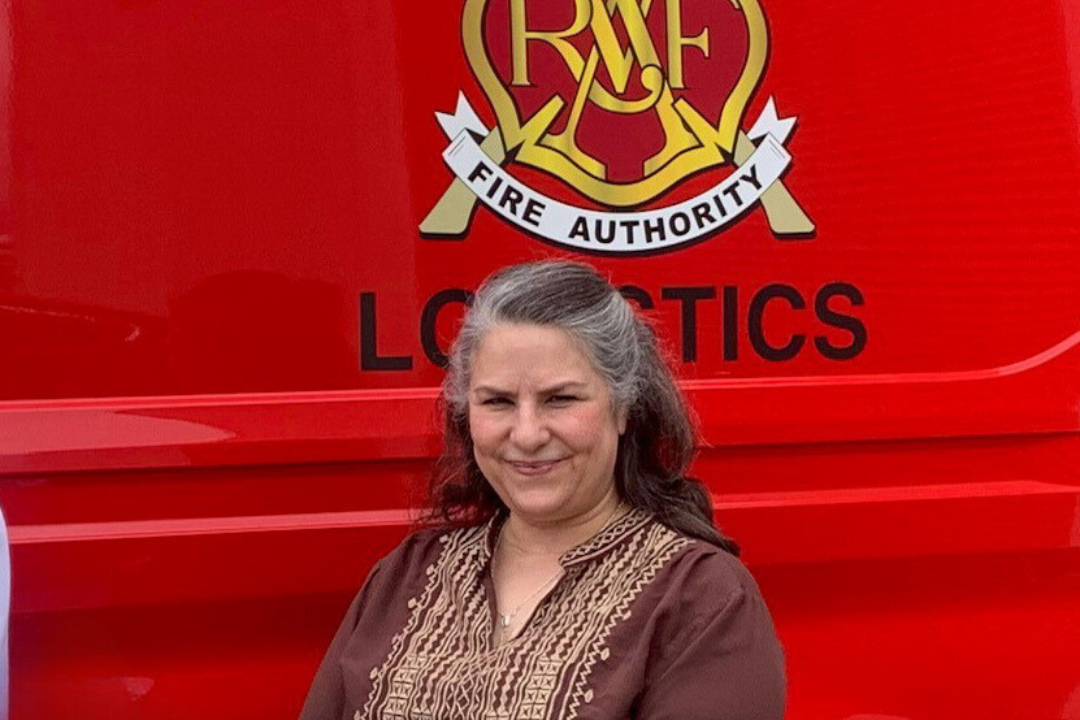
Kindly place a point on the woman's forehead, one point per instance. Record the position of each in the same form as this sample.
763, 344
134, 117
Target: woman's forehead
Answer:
537, 355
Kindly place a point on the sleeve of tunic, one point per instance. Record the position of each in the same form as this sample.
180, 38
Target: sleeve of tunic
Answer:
326, 698
725, 662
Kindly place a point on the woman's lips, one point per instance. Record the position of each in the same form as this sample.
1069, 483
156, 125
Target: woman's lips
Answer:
534, 467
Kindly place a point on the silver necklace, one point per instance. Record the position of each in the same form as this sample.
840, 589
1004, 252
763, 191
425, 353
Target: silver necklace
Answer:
505, 619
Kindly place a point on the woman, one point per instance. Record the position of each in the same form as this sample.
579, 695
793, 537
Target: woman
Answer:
574, 570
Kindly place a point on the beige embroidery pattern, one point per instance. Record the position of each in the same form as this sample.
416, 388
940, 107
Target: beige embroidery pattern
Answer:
443, 665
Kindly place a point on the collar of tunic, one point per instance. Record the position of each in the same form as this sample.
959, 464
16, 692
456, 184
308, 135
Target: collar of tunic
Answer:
603, 542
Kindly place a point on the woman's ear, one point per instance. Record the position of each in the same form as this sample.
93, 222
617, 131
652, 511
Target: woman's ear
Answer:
621, 415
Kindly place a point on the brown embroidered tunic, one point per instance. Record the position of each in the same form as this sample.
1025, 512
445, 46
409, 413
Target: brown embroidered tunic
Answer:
645, 624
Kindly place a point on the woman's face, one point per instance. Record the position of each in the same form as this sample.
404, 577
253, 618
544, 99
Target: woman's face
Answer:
543, 426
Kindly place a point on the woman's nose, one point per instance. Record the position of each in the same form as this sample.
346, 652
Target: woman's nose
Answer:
529, 431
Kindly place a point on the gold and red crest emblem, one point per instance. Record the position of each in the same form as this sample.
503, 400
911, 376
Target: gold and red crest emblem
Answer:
621, 100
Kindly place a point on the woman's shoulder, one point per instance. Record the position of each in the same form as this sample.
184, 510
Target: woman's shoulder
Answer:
715, 561
708, 577
713, 651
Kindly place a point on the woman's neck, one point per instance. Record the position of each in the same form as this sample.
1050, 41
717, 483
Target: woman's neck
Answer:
526, 538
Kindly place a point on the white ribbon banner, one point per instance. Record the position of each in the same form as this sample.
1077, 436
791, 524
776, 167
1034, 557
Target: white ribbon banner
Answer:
624, 232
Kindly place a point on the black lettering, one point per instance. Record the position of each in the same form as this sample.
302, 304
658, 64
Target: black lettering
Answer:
751, 177
683, 220
511, 196
480, 172
494, 187
600, 236
655, 229
533, 210
845, 322
580, 230
429, 319
688, 297
703, 215
719, 205
642, 298
730, 304
369, 355
732, 192
757, 331
629, 226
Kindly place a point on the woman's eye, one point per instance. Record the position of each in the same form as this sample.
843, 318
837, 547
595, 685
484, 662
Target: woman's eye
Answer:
495, 401
562, 399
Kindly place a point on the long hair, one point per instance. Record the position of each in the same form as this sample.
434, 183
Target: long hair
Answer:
654, 453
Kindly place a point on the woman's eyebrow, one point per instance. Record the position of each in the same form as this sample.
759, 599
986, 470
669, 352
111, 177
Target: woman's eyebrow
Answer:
490, 390
557, 387
564, 386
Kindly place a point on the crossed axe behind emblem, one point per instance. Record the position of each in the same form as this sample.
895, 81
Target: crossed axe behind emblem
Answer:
453, 212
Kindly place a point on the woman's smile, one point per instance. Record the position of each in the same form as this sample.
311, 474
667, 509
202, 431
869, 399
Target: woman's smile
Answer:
534, 467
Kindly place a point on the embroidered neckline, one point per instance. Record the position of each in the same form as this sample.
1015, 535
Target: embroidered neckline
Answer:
607, 538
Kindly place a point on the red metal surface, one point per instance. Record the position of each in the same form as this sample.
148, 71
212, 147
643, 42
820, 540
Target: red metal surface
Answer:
210, 244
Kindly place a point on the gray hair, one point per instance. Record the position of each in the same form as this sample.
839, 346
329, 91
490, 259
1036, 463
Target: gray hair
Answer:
659, 443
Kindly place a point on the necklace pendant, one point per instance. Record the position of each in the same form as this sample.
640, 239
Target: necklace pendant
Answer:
504, 620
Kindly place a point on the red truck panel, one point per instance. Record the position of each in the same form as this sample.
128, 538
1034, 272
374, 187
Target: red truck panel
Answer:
222, 325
